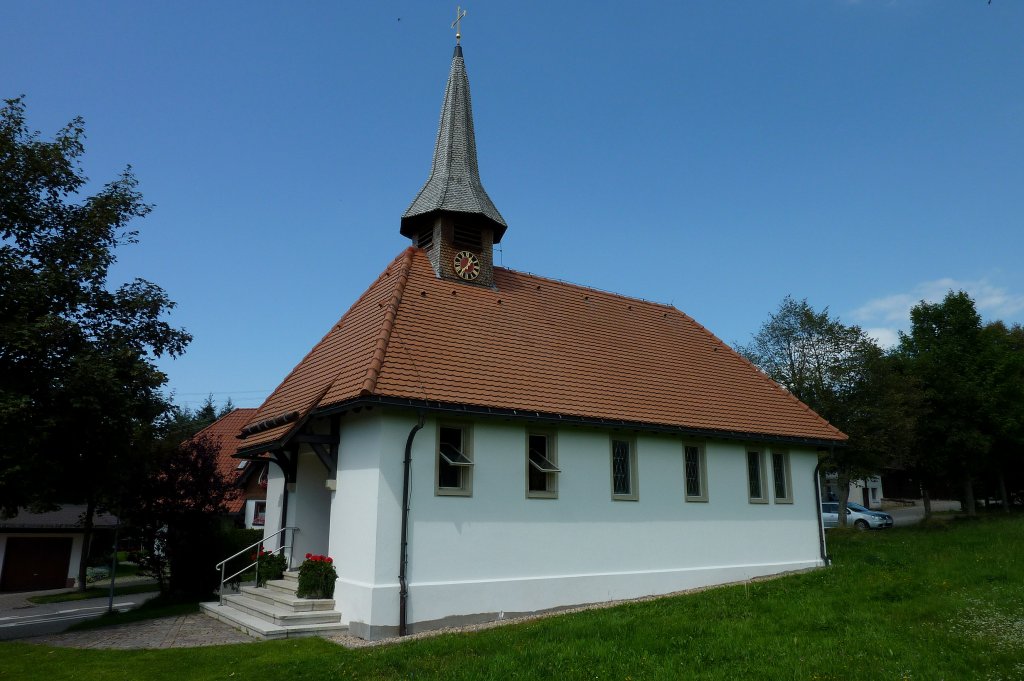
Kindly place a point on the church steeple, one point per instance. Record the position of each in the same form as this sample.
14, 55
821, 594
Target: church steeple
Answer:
452, 213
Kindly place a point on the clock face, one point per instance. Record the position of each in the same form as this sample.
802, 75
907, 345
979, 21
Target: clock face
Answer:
467, 265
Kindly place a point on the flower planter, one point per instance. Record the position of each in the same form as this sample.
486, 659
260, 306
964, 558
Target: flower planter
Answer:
317, 577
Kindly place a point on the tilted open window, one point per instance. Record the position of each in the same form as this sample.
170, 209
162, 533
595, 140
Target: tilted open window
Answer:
541, 465
454, 470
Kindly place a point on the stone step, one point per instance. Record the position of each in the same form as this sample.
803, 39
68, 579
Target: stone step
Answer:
262, 629
277, 614
283, 586
287, 599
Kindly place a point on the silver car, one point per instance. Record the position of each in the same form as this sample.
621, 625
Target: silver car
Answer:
856, 516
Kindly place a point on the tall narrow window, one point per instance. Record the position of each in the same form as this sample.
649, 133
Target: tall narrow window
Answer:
454, 461
696, 475
541, 466
754, 481
781, 478
624, 486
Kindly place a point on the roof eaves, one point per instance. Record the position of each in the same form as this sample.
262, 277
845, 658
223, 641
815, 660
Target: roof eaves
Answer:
546, 417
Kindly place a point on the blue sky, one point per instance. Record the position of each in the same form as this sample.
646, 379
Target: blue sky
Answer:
715, 155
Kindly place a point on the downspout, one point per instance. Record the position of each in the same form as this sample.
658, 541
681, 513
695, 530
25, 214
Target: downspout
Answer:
403, 560
817, 511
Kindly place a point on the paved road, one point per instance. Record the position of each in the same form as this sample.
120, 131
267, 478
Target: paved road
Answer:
911, 515
29, 619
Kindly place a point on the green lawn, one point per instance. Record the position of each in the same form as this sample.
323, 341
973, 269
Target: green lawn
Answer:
945, 602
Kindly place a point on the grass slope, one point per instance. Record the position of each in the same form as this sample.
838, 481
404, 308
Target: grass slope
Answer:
928, 603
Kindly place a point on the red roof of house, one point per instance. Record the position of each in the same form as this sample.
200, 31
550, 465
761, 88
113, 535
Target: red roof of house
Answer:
223, 433
536, 345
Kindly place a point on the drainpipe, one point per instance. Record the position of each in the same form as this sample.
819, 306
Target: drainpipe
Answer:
817, 511
403, 560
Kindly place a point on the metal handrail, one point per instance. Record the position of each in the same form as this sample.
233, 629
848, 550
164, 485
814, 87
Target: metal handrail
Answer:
223, 564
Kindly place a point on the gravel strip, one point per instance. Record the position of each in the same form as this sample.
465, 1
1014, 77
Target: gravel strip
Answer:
350, 641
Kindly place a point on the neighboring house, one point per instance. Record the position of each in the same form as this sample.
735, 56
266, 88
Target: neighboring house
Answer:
470, 442
250, 507
43, 550
865, 491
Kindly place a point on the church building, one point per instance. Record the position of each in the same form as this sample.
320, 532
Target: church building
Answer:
471, 443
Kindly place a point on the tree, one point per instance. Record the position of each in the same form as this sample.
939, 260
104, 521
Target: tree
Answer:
841, 373
945, 351
178, 511
79, 390
182, 423
1003, 364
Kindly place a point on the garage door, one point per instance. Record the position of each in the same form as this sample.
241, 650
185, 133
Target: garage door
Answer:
32, 563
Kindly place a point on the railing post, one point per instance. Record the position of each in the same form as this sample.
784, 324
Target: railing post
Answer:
260, 545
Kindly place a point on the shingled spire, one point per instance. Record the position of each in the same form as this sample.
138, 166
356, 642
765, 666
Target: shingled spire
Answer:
454, 188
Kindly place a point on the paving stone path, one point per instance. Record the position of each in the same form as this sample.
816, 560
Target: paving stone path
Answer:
183, 631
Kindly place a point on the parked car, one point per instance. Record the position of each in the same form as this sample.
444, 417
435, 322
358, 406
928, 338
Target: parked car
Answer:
856, 516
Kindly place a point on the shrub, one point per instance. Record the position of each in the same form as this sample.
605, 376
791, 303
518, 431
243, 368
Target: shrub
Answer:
269, 566
317, 577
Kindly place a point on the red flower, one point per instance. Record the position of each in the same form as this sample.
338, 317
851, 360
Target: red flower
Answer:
308, 556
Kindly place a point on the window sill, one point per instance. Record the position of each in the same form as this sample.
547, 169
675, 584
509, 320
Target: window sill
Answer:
452, 492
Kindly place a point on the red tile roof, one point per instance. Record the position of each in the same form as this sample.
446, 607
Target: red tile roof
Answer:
223, 433
537, 345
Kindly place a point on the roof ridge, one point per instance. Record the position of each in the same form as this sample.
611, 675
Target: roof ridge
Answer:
384, 336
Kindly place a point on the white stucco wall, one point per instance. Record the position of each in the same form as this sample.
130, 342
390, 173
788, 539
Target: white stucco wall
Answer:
309, 508
275, 499
366, 517
501, 552
873, 485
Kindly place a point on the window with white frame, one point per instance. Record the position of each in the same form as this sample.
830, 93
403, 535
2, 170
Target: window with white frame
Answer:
781, 481
454, 476
624, 482
541, 465
259, 514
755, 477
696, 473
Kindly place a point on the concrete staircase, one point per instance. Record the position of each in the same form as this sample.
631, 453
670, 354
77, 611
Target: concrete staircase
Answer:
274, 611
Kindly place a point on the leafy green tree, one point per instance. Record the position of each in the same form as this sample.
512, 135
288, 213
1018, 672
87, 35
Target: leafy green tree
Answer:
79, 390
1003, 364
946, 353
841, 373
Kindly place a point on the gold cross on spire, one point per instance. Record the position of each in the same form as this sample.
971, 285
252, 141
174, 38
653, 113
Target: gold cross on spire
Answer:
460, 14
